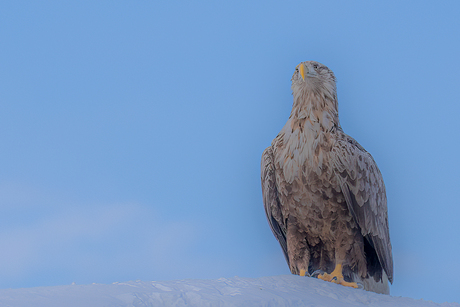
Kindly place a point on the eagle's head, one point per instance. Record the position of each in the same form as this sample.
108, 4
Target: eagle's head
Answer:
314, 78
315, 94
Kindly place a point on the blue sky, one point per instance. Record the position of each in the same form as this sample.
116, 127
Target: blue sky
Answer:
131, 133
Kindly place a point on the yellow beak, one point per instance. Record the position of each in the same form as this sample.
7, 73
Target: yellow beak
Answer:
302, 71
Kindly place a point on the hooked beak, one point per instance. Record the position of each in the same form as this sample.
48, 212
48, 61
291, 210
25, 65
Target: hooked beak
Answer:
302, 71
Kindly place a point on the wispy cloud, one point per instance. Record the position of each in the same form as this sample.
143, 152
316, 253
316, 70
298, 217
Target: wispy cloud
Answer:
89, 240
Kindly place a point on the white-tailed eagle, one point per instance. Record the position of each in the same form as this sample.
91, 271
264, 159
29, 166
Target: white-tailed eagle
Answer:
323, 193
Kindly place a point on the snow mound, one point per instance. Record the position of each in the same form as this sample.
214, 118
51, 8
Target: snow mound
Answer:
286, 290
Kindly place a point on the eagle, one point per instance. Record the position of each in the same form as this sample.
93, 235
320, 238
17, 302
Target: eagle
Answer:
323, 194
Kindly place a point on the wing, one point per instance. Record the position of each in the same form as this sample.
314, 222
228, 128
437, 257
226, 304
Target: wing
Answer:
271, 201
364, 191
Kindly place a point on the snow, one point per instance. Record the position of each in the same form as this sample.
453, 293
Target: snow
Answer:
285, 290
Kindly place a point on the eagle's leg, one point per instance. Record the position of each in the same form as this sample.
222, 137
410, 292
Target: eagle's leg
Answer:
337, 277
299, 255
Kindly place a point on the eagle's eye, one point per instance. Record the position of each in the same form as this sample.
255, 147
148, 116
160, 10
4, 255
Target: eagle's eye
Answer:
315, 66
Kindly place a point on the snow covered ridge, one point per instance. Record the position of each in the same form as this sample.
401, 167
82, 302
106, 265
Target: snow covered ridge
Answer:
285, 290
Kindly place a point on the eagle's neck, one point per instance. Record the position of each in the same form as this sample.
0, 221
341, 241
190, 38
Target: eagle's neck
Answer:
308, 135
317, 110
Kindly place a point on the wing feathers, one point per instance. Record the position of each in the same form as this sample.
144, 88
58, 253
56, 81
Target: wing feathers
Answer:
364, 191
271, 201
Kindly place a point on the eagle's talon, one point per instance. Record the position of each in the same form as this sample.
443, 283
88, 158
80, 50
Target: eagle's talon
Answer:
303, 272
316, 273
337, 278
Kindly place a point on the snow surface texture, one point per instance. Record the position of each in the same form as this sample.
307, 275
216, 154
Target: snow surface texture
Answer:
286, 290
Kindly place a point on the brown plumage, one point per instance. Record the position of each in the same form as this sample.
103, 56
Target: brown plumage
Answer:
323, 193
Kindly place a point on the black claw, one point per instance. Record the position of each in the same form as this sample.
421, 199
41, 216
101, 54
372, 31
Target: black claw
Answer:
316, 273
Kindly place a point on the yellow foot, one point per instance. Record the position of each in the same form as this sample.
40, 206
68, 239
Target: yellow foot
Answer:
337, 277
302, 272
